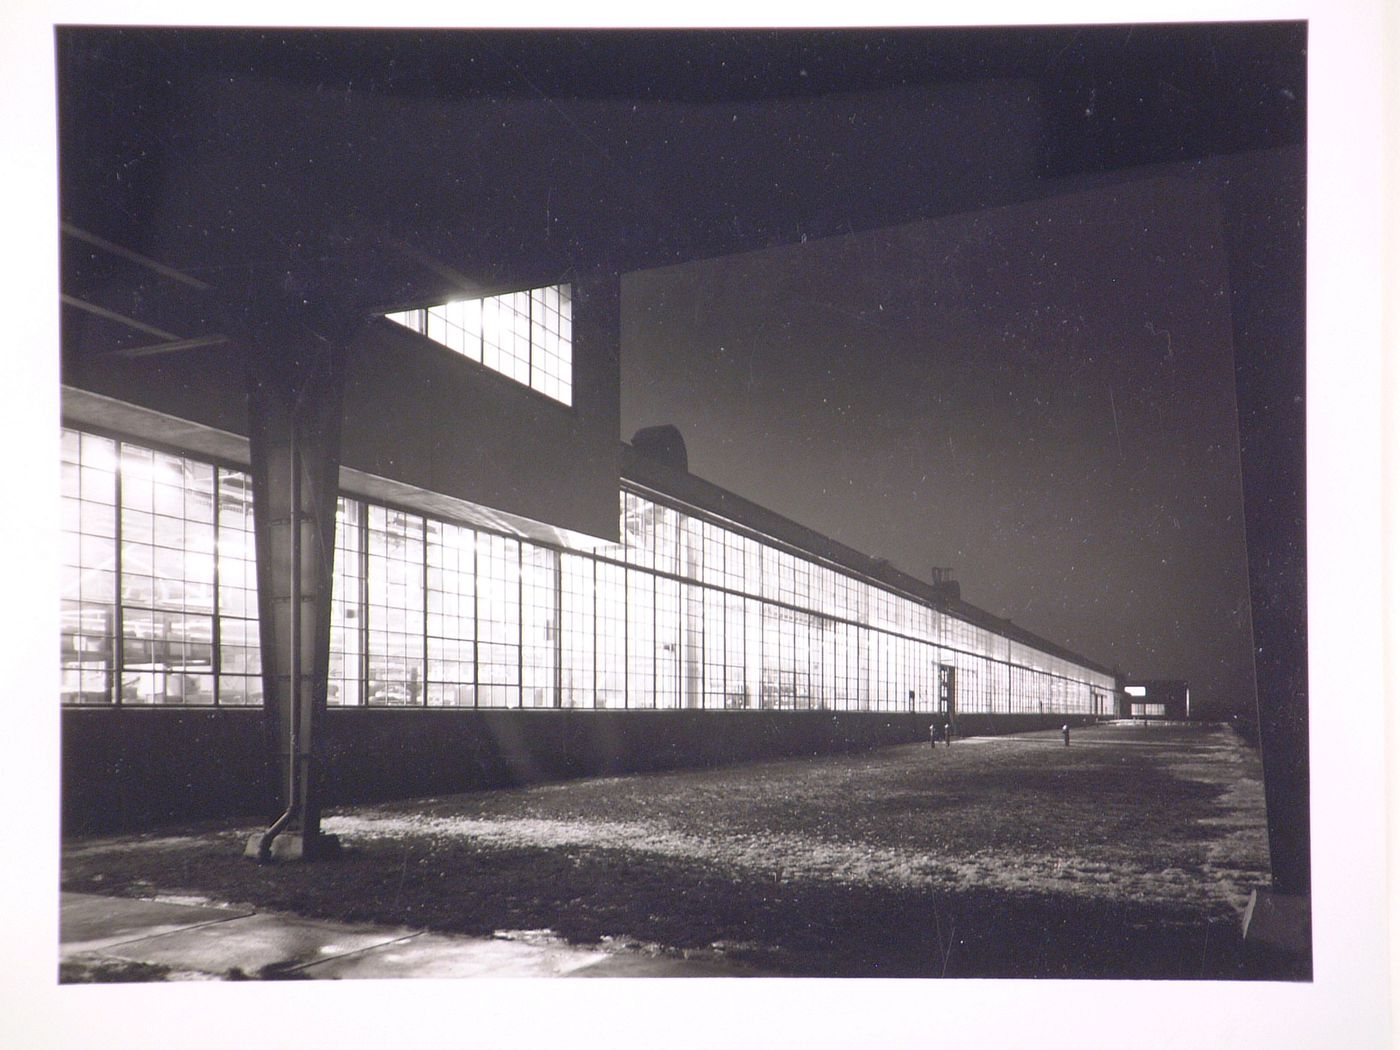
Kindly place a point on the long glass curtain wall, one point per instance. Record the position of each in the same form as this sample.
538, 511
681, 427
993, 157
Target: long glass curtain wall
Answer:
159, 607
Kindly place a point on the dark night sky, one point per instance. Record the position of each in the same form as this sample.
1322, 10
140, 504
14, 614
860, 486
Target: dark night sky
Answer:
1040, 396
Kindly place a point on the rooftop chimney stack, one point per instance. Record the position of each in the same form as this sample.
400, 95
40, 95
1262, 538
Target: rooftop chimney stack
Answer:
663, 444
944, 586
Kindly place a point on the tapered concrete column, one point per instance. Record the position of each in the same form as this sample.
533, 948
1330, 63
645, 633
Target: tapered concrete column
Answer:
296, 378
1264, 207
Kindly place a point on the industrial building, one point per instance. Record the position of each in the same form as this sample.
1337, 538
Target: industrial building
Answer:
346, 512
706, 603
1166, 699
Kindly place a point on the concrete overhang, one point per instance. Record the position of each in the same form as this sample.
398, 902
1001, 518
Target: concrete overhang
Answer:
82, 408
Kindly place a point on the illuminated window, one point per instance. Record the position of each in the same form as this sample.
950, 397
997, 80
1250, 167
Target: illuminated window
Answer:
539, 590
394, 616
345, 678
451, 615
527, 336
89, 609
713, 647
498, 620
167, 580
667, 621
639, 530
771, 656
159, 599
240, 662
576, 605
611, 641
666, 527
641, 639
692, 646
692, 557
160, 607
736, 692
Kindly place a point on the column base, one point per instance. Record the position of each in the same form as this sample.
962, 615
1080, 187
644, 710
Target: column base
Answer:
1279, 920
293, 845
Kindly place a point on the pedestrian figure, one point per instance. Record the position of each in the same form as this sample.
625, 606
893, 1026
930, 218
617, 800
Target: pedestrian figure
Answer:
1064, 731
948, 732
933, 736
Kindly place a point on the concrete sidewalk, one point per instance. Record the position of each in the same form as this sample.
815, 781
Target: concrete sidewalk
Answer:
163, 940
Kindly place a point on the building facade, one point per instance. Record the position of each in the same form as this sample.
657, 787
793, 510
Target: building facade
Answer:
689, 610
1163, 699
469, 649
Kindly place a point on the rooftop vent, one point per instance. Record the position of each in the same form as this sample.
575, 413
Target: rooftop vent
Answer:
663, 444
944, 586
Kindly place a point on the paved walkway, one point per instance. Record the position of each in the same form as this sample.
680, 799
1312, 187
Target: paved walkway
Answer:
105, 935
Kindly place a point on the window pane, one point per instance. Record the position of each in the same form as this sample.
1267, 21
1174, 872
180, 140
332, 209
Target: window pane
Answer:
539, 588
498, 621
576, 643
611, 617
240, 677
527, 336
88, 613
394, 608
668, 664
641, 649
451, 615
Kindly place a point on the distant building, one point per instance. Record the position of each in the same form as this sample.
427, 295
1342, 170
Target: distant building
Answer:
1167, 699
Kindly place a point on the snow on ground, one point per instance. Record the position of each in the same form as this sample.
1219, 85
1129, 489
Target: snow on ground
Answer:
1228, 856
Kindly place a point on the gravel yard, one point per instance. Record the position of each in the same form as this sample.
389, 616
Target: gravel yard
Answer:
1130, 853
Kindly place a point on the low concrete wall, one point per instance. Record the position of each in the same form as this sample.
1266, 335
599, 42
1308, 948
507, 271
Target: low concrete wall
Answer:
135, 768
131, 769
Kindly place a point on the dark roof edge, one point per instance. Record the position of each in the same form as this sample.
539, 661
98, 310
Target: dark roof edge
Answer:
686, 488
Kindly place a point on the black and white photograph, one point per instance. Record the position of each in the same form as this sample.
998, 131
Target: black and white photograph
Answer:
817, 511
